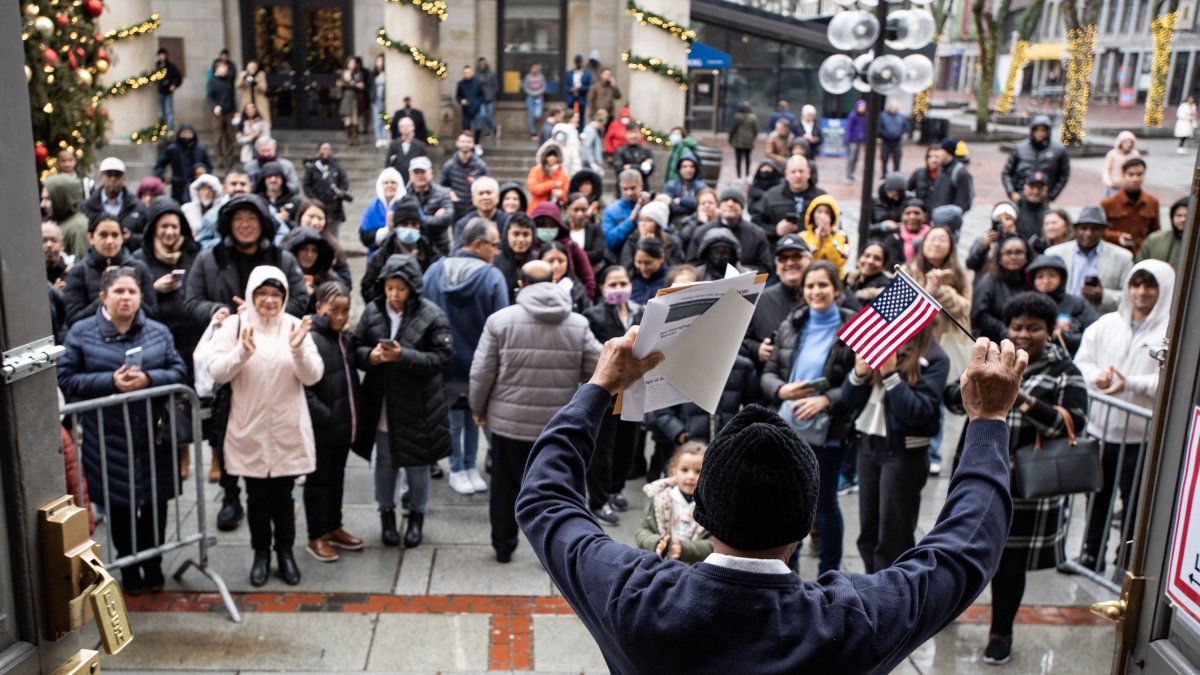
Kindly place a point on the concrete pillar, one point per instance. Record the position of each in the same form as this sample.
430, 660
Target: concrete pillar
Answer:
404, 76
138, 109
654, 99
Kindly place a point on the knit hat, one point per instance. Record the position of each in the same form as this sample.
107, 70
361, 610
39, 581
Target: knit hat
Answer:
406, 208
950, 145
656, 211
917, 202
949, 216
1004, 208
759, 486
734, 194
152, 185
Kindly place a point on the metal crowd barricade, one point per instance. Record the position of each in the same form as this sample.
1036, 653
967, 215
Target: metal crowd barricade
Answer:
189, 530
1117, 414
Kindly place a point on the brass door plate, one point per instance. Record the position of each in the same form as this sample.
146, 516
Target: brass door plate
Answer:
84, 662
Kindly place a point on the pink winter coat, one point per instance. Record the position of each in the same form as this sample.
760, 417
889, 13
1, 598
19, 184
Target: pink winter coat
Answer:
270, 433
1116, 158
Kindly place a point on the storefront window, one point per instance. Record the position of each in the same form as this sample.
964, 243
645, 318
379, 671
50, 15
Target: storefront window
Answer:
531, 31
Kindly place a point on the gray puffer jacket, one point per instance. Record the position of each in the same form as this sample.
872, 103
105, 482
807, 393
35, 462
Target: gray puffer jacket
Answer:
529, 362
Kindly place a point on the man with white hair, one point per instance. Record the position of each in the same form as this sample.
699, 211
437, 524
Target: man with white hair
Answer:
810, 130
265, 150
485, 200
405, 147
460, 171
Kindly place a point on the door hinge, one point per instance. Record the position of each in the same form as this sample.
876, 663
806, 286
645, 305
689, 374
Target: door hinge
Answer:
31, 358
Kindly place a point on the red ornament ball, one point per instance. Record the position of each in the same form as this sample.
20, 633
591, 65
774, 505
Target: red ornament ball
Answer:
93, 8
71, 60
104, 113
79, 52
40, 153
50, 55
62, 19
102, 54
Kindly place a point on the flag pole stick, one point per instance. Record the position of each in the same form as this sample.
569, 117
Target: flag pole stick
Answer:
948, 315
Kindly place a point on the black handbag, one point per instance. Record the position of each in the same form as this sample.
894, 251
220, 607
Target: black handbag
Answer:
222, 400
1058, 466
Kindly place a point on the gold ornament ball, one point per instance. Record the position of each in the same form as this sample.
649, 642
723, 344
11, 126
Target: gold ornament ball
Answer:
28, 74
101, 66
44, 26
48, 108
84, 76
31, 10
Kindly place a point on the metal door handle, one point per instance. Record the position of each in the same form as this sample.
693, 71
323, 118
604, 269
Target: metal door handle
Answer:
1113, 610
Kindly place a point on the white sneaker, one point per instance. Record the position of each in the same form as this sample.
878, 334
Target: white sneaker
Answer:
476, 480
935, 468
460, 482
1180, 151
479, 150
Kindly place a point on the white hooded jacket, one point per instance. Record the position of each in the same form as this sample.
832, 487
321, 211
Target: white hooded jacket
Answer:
193, 210
270, 433
1111, 341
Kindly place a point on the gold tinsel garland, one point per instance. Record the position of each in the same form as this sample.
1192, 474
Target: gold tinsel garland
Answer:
921, 99
431, 7
648, 18
1163, 30
430, 139
683, 79
419, 57
1081, 43
148, 26
131, 83
150, 134
1004, 105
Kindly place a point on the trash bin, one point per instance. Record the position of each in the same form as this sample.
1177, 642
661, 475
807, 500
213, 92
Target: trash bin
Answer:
710, 163
934, 129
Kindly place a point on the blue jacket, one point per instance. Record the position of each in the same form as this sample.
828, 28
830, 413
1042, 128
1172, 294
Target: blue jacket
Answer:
684, 192
856, 125
94, 350
643, 289
717, 619
909, 412
469, 291
374, 218
617, 224
892, 126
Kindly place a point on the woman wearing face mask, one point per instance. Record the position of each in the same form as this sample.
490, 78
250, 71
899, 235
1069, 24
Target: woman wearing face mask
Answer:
82, 296
651, 222
518, 245
681, 143
389, 189
513, 199
93, 366
585, 231
617, 440
718, 250
1001, 280
406, 239
870, 275
808, 351
547, 219
547, 180
269, 358
205, 191
555, 253
650, 269
312, 214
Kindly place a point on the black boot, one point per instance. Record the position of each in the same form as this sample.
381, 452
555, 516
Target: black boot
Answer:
413, 534
387, 523
261, 568
288, 571
230, 515
152, 575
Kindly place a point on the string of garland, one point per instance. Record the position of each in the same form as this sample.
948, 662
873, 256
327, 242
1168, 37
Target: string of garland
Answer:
648, 18
430, 139
419, 57
921, 99
1016, 64
150, 134
1080, 45
431, 7
148, 26
656, 136
682, 77
1163, 31
131, 83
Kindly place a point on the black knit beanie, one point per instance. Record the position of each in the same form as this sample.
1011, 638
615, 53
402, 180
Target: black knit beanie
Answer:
758, 489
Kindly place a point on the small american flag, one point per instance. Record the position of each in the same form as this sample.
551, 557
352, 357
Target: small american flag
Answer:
892, 318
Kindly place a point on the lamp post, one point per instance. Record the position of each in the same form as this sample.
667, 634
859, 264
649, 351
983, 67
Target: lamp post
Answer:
875, 72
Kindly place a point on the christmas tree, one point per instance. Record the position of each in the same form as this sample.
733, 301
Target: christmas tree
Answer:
64, 55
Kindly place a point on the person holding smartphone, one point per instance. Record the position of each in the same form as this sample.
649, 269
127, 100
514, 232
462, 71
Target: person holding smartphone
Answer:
803, 377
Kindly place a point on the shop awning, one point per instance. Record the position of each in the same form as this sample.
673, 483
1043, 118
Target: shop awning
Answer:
706, 56
1046, 51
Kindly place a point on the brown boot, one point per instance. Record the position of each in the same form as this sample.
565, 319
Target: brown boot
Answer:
320, 549
214, 471
185, 461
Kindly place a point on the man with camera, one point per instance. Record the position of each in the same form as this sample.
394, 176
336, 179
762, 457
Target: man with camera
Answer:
1096, 269
325, 179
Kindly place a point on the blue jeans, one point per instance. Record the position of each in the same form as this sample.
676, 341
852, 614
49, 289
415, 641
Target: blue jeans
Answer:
386, 477
464, 440
484, 119
381, 132
534, 105
935, 443
166, 109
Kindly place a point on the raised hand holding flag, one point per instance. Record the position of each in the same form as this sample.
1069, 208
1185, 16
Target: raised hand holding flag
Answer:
901, 311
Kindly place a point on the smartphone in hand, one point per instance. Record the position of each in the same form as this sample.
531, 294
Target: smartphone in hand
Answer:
388, 343
133, 357
820, 385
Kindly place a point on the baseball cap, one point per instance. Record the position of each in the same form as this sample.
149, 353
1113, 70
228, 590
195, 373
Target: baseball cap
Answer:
112, 164
1038, 177
420, 164
791, 243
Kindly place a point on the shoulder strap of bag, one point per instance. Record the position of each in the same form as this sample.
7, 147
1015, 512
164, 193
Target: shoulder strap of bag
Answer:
1068, 422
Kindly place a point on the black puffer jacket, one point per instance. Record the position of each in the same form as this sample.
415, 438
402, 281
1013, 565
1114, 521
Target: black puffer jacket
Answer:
410, 391
82, 297
327, 267
1080, 310
838, 364
335, 401
171, 310
328, 186
885, 207
910, 411
741, 388
216, 277
992, 293
1049, 157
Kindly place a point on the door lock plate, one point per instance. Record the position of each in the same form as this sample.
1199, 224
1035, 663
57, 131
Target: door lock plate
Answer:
84, 662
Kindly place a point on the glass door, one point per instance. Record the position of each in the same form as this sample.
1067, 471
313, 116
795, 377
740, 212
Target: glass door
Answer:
301, 45
703, 96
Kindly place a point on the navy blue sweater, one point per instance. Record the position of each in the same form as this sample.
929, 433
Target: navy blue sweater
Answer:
651, 615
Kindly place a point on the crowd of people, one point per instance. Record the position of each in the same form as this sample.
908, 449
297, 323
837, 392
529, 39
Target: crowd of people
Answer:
486, 304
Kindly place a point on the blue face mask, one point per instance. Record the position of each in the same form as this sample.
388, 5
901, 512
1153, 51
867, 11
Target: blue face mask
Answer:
407, 235
675, 139
546, 234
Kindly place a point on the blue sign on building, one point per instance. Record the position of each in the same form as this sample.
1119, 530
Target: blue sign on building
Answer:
707, 57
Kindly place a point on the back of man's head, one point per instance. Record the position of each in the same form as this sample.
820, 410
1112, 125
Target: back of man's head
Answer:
535, 272
477, 229
758, 489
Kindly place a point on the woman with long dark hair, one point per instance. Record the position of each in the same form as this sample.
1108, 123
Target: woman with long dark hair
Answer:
999, 281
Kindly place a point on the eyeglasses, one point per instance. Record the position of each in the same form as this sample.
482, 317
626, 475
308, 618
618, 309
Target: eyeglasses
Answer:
495, 244
1013, 254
